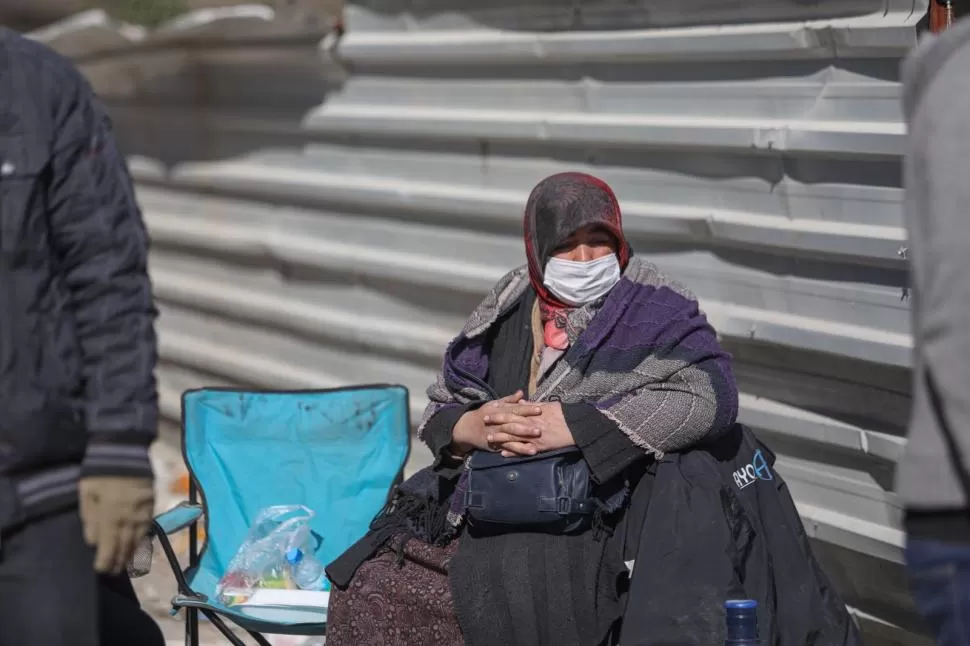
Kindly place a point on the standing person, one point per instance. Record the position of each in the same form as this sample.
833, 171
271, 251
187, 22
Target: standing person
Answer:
933, 477
77, 353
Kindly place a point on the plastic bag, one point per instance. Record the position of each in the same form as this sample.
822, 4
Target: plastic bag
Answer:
261, 560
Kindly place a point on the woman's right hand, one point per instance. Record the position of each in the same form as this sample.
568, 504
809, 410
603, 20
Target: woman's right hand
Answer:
471, 432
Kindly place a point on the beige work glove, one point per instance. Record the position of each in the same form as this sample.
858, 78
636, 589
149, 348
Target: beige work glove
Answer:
116, 512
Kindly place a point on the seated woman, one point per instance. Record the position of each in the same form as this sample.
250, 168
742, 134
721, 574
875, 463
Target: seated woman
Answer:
588, 346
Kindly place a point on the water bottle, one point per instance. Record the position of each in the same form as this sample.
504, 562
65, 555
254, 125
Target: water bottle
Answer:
741, 617
308, 572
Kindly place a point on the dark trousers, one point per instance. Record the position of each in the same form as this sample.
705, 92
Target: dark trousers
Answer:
123, 622
50, 594
939, 575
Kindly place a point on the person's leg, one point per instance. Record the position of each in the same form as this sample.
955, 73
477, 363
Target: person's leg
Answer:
48, 590
939, 575
123, 622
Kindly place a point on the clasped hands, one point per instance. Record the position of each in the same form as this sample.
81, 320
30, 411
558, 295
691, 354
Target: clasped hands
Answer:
512, 426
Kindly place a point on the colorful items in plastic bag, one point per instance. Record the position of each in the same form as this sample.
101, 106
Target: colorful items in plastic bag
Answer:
261, 561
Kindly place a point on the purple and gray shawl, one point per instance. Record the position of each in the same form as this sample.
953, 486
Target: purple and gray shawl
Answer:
646, 358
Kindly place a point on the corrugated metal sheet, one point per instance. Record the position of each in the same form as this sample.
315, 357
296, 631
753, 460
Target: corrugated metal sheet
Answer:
320, 221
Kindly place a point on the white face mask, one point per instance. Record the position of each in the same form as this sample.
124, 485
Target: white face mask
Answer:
577, 283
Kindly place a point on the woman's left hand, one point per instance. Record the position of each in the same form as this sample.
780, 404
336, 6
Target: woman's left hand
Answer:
554, 433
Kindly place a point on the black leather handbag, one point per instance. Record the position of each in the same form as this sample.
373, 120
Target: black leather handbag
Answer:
550, 492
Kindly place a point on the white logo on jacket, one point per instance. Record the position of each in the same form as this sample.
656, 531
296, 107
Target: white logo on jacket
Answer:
757, 469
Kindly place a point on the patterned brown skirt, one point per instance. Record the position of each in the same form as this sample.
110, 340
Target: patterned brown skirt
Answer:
390, 603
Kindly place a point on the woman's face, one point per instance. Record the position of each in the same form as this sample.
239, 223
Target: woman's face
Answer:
589, 243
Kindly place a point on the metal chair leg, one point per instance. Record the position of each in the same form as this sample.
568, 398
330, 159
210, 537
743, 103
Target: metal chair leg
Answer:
259, 638
192, 614
191, 627
221, 626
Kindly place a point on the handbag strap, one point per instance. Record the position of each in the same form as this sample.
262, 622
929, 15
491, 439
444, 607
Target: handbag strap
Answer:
566, 506
563, 505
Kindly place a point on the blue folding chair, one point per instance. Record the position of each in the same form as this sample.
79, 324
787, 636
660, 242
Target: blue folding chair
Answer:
337, 452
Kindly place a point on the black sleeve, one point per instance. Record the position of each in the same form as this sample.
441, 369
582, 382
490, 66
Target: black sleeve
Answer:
437, 434
102, 251
607, 449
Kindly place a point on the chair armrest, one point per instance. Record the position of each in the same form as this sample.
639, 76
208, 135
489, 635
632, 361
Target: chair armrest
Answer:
176, 519
179, 517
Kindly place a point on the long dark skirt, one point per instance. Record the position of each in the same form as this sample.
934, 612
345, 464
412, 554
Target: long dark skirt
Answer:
397, 602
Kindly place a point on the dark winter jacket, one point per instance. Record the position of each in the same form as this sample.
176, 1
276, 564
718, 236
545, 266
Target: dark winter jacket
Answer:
77, 347
718, 523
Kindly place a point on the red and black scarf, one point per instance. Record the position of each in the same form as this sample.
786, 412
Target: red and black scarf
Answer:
558, 207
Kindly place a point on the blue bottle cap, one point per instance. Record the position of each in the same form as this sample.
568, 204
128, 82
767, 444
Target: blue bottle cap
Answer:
294, 555
740, 604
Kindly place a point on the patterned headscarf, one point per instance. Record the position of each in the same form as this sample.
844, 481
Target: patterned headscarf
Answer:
558, 207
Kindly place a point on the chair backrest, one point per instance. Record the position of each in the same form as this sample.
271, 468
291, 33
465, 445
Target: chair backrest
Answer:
337, 452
